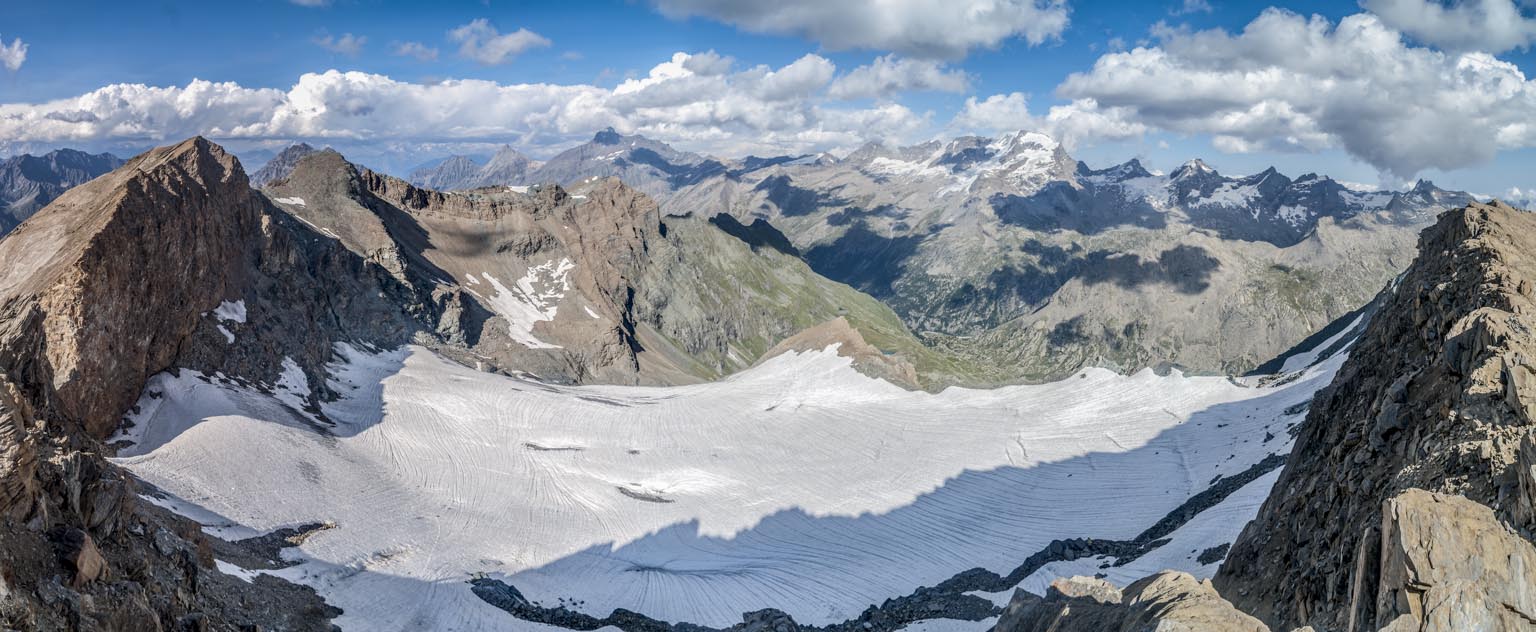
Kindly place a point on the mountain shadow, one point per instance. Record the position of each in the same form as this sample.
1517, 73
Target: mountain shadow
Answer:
865, 259
759, 234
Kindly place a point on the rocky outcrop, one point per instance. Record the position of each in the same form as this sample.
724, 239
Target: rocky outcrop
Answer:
1448, 563
1434, 397
850, 344
1167, 602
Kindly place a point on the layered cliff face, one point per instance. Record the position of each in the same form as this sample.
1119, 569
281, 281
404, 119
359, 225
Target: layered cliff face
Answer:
1436, 396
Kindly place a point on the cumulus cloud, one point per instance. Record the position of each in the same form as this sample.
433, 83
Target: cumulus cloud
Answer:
481, 42
889, 75
348, 44
997, 113
708, 63
1074, 124
918, 28
1289, 82
694, 101
13, 55
420, 51
1493, 26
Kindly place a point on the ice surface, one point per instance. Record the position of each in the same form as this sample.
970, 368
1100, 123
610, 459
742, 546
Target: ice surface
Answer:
800, 484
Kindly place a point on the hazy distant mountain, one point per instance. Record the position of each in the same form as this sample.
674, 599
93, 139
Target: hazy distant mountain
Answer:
280, 165
28, 183
650, 166
457, 173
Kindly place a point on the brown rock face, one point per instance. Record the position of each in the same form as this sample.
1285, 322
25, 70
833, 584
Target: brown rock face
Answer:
81, 554
1436, 396
1447, 563
102, 287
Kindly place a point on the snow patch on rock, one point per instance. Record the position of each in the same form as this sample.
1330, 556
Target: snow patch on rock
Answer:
534, 298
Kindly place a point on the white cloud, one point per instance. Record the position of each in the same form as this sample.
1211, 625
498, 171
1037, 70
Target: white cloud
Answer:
917, 28
311, 3
12, 56
889, 75
420, 51
1287, 82
708, 63
348, 44
1493, 26
481, 42
758, 110
997, 113
1193, 6
1078, 123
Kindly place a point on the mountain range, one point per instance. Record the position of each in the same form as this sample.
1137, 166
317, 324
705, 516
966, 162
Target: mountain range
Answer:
28, 183
1011, 253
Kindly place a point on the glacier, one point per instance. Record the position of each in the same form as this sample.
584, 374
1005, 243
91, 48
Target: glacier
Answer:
800, 484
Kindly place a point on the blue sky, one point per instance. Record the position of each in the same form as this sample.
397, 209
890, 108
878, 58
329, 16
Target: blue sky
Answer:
271, 44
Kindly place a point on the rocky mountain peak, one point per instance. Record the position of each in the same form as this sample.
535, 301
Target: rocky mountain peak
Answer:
1193, 168
280, 165
191, 202
607, 137
1128, 170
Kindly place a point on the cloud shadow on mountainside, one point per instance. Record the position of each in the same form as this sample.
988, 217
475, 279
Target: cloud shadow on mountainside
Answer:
1058, 206
1187, 269
794, 201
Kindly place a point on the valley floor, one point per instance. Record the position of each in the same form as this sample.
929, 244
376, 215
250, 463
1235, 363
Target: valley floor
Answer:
800, 484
